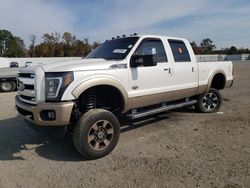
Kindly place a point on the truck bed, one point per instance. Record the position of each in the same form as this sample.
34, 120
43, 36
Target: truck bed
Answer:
206, 69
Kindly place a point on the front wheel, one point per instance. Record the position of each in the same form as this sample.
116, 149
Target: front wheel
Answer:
96, 133
209, 102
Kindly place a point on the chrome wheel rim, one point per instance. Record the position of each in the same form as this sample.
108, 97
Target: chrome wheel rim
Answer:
6, 86
210, 101
100, 135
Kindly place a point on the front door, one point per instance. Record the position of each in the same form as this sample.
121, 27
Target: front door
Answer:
148, 81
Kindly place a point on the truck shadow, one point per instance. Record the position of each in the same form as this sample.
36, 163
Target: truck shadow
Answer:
19, 142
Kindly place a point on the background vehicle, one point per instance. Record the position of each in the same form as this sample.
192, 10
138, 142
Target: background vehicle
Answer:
28, 63
8, 80
134, 76
14, 64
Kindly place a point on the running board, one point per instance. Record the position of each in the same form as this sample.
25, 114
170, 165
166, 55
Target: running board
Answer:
135, 115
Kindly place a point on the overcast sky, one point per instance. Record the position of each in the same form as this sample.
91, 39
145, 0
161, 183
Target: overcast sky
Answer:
226, 22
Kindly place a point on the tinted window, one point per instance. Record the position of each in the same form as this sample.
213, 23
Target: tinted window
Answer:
114, 49
148, 44
179, 50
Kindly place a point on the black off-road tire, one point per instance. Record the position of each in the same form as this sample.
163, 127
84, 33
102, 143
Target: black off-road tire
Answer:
209, 102
92, 128
7, 86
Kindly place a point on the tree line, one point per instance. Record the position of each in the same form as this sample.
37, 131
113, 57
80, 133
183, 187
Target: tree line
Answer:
53, 45
208, 47
67, 45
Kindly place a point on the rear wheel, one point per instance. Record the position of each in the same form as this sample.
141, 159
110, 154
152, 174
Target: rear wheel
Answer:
209, 102
96, 133
7, 86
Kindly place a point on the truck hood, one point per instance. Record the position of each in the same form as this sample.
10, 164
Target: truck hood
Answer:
79, 65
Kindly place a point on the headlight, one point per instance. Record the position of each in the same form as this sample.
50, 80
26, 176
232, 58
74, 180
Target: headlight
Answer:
56, 83
52, 87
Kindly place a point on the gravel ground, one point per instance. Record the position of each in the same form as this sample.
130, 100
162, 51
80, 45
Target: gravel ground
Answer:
176, 149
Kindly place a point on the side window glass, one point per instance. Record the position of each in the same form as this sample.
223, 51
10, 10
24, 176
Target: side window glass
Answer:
179, 51
156, 45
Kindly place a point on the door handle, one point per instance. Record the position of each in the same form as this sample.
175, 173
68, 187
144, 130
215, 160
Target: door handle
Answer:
168, 69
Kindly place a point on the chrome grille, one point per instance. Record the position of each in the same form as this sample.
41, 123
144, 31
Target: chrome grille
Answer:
26, 87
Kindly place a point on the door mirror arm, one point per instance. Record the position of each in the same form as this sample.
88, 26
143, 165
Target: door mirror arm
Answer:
133, 61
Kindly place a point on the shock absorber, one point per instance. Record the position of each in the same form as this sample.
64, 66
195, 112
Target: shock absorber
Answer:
90, 100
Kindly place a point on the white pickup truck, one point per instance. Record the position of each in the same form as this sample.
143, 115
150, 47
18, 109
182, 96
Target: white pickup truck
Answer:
135, 76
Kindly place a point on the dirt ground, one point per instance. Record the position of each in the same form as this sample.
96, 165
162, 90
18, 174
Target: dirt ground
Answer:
175, 149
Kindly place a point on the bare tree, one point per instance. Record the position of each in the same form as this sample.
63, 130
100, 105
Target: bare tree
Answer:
32, 52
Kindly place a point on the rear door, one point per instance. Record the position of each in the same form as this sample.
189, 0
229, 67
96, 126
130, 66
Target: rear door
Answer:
184, 71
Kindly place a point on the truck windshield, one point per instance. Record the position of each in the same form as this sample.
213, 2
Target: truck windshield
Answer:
114, 49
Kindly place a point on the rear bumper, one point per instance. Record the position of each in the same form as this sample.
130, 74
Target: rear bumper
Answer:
37, 114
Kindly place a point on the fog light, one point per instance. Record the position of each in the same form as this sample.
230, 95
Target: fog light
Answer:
51, 115
48, 115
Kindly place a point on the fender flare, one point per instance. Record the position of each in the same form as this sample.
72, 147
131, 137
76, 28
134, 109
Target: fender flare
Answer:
83, 86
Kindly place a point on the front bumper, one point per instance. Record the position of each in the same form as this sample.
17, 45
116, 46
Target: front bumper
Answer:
35, 114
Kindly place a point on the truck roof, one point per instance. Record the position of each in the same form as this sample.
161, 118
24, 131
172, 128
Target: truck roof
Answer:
149, 36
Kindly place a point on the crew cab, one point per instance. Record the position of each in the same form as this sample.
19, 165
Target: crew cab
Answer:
135, 76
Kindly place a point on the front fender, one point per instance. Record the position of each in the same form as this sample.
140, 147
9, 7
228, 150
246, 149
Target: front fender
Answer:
83, 86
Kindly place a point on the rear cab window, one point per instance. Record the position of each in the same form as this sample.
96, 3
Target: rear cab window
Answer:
179, 50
